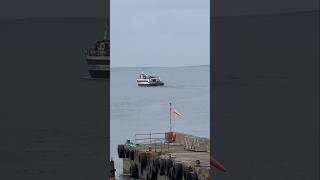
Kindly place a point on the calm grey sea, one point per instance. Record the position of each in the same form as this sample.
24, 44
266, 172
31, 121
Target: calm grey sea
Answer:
53, 123
265, 120
137, 109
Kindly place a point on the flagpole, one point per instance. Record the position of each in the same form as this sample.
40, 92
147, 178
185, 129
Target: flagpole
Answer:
170, 118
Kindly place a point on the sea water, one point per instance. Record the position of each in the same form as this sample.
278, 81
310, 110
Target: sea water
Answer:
135, 109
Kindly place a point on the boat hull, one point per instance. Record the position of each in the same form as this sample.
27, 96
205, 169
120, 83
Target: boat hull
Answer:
99, 66
101, 74
98, 60
151, 84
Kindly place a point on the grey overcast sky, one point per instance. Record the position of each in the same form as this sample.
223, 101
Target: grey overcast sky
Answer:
160, 32
53, 8
99, 8
252, 7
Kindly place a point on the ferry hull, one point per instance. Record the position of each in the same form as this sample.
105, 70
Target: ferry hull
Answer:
101, 74
148, 84
98, 60
99, 66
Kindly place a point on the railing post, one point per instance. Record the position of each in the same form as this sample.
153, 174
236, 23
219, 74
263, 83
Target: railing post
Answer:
135, 138
150, 138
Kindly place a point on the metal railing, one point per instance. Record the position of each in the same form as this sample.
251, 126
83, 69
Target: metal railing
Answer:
93, 52
156, 140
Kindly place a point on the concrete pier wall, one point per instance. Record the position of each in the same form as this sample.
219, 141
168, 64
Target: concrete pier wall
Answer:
185, 158
193, 142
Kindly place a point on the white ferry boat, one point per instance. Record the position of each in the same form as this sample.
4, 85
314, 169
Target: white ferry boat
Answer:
147, 80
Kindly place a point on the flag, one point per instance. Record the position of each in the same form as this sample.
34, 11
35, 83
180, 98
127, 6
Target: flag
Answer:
176, 112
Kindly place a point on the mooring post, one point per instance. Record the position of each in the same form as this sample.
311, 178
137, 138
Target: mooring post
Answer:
112, 169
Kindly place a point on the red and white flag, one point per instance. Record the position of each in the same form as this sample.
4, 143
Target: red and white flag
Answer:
176, 112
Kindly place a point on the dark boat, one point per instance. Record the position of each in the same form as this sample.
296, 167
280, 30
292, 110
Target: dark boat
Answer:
98, 58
